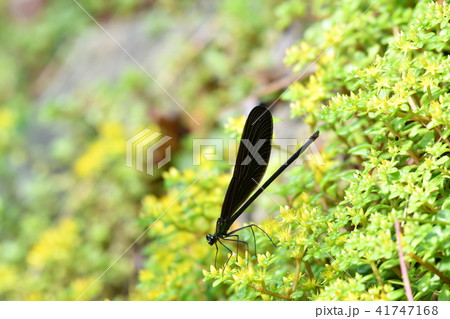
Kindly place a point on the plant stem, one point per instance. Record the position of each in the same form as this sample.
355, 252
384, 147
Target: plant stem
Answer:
431, 207
343, 140
438, 130
264, 290
421, 119
430, 267
309, 270
429, 93
376, 272
412, 103
397, 271
298, 264
410, 152
403, 269
438, 222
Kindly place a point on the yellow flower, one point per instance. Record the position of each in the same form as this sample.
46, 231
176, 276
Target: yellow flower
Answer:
79, 287
146, 275
113, 136
427, 81
10, 276
55, 244
430, 66
91, 161
6, 119
410, 79
333, 36
241, 274
315, 88
110, 142
34, 296
330, 272
305, 46
373, 70
111, 130
399, 89
235, 125
153, 294
435, 109
311, 283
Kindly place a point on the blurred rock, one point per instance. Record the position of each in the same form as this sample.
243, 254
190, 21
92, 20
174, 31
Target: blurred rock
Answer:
24, 10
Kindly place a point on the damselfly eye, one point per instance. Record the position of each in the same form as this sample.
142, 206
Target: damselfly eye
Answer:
210, 239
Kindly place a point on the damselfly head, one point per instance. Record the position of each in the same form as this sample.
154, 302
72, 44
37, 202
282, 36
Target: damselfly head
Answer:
211, 239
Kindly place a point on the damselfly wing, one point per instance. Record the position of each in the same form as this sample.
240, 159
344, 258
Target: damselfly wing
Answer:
251, 164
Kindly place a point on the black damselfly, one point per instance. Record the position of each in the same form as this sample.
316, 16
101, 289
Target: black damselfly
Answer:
251, 163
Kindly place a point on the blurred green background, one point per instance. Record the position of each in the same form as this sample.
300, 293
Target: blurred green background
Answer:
70, 98
79, 78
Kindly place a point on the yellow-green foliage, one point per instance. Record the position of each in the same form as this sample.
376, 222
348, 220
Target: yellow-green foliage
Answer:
178, 249
392, 137
391, 133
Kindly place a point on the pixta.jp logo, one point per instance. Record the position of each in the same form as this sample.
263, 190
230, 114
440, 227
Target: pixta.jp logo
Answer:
143, 147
